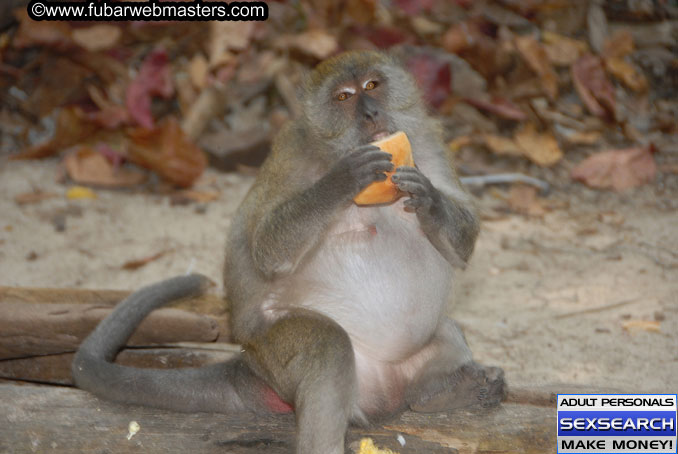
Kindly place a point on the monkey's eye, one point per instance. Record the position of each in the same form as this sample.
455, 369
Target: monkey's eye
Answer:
371, 85
343, 96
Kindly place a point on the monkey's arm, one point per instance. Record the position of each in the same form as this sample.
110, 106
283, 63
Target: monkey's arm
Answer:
449, 222
285, 231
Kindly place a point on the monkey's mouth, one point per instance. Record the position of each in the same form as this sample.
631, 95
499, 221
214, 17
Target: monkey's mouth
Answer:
379, 136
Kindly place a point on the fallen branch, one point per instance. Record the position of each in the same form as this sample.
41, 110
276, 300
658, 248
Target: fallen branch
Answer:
65, 420
30, 329
604, 307
502, 178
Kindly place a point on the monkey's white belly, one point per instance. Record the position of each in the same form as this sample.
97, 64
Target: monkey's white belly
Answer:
380, 278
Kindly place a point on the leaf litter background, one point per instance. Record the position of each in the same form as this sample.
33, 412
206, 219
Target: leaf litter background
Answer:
125, 148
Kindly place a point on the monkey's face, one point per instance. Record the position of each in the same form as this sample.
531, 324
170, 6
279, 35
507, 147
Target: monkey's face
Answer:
357, 98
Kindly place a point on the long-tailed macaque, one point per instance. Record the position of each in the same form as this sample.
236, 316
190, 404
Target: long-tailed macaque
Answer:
339, 308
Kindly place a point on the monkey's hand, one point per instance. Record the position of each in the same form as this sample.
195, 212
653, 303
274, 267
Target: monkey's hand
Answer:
425, 199
357, 170
449, 225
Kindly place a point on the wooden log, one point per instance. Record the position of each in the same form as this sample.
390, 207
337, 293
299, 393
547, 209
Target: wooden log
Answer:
207, 304
56, 369
64, 420
60, 295
30, 329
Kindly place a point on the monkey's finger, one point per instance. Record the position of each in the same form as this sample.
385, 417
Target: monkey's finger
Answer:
416, 203
378, 166
412, 204
364, 179
370, 157
410, 173
366, 149
372, 173
409, 169
413, 187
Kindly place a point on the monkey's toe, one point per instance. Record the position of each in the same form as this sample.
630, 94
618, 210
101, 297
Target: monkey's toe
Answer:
495, 389
470, 386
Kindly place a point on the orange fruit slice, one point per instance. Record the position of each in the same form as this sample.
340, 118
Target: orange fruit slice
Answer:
386, 191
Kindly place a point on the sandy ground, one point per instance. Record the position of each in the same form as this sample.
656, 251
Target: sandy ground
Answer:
574, 296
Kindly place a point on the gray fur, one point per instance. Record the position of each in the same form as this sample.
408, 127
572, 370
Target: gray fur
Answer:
339, 308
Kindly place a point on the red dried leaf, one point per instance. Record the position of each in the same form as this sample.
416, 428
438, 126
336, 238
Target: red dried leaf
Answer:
110, 117
462, 36
433, 76
597, 92
136, 264
499, 106
383, 37
414, 7
154, 79
617, 169
168, 151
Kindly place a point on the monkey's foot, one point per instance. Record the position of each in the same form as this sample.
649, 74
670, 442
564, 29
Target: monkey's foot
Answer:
471, 386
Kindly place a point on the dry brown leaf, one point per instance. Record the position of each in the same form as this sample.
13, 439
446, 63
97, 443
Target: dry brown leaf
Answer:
536, 58
561, 50
167, 151
499, 106
597, 92
136, 264
228, 37
620, 44
316, 43
583, 137
617, 169
540, 148
71, 128
645, 325
189, 195
523, 199
86, 166
198, 70
458, 143
55, 34
362, 11
27, 198
502, 145
61, 82
627, 73
98, 37
460, 37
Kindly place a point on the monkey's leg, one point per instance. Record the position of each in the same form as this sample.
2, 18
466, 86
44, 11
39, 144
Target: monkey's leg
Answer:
223, 387
308, 360
451, 379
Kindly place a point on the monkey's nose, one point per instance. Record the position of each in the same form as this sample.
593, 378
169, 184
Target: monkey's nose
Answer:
371, 115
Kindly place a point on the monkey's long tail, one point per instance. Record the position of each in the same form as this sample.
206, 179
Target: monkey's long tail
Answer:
222, 387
